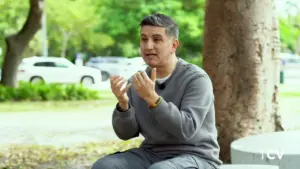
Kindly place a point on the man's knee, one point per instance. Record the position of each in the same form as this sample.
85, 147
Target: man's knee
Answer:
108, 162
163, 165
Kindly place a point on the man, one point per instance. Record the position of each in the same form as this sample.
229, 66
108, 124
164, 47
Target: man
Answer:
171, 104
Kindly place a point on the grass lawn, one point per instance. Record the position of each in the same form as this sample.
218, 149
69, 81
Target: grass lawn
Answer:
286, 96
107, 99
289, 94
34, 156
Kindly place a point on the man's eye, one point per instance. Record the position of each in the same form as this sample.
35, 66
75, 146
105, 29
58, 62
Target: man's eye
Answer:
156, 40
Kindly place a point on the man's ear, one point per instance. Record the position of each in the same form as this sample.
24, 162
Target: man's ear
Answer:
175, 45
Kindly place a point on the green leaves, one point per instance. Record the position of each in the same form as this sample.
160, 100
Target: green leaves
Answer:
47, 92
122, 23
111, 27
107, 27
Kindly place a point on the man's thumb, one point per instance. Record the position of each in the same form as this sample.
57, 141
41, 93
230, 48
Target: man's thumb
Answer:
153, 74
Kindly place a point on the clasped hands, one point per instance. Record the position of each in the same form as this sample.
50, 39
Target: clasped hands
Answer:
144, 86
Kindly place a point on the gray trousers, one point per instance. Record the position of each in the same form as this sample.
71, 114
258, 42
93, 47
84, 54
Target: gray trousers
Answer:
138, 158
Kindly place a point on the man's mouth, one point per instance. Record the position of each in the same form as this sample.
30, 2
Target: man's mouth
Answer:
150, 54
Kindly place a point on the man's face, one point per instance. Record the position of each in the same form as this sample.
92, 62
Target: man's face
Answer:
156, 47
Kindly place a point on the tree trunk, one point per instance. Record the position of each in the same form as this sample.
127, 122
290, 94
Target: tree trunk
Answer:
241, 48
66, 36
17, 43
297, 46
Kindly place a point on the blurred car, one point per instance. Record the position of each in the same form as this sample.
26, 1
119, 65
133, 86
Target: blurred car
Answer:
136, 64
290, 66
56, 70
116, 65
289, 59
109, 66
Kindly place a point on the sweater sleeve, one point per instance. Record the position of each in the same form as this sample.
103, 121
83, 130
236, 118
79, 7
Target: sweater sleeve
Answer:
183, 123
124, 123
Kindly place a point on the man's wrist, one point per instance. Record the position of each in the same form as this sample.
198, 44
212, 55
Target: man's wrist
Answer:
152, 100
123, 106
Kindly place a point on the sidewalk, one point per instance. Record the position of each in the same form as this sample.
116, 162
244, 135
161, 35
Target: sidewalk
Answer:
289, 88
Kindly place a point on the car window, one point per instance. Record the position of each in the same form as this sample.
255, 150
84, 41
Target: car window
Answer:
44, 64
57, 64
293, 60
111, 60
96, 60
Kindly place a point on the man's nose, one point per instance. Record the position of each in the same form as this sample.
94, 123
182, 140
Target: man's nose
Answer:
149, 44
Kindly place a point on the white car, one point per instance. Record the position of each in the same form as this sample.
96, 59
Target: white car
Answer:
114, 66
109, 66
56, 70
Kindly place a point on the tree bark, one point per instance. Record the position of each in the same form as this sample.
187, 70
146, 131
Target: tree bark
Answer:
297, 46
65, 44
66, 37
17, 43
241, 48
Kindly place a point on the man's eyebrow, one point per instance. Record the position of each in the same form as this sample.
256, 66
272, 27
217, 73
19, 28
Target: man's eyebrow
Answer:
157, 35
154, 35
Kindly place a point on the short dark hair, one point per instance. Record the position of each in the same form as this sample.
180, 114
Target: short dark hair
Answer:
161, 20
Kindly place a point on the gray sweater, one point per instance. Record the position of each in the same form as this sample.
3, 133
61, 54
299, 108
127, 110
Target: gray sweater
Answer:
184, 122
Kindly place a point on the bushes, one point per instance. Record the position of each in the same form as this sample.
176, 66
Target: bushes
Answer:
195, 60
46, 92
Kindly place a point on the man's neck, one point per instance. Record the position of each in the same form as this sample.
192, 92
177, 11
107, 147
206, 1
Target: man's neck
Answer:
162, 72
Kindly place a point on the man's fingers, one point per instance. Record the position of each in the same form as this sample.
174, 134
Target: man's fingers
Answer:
153, 74
144, 75
136, 82
116, 80
126, 88
140, 77
121, 83
137, 79
113, 78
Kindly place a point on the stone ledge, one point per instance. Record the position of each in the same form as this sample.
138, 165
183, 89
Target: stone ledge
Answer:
245, 166
278, 148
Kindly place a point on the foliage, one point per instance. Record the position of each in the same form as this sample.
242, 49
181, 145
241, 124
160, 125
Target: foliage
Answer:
10, 20
188, 14
289, 34
195, 60
102, 28
46, 92
33, 157
78, 26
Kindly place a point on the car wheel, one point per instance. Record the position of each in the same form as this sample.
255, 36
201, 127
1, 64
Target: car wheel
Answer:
105, 76
36, 79
87, 80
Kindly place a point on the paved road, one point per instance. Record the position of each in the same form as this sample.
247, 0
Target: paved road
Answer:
71, 128
55, 128
292, 75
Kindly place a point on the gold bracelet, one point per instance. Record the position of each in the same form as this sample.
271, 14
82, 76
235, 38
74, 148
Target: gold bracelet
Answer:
156, 103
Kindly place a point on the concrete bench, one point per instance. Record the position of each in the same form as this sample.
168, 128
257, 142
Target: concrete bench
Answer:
241, 166
278, 148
